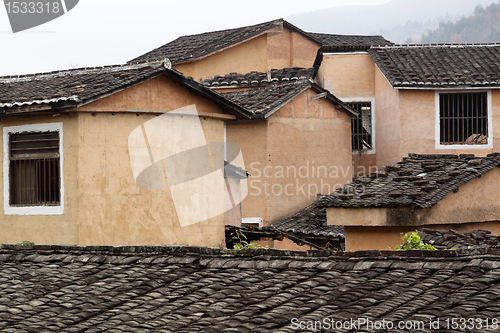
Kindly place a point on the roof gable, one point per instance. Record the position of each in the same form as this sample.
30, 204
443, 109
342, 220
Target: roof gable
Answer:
418, 180
439, 66
191, 47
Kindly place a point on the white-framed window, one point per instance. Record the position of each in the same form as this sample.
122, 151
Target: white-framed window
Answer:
463, 119
362, 127
33, 169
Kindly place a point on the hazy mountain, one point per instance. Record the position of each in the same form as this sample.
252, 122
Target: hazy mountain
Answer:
397, 20
481, 27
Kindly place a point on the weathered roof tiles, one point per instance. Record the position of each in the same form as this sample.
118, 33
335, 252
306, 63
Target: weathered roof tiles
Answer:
439, 66
260, 78
191, 47
188, 289
310, 221
447, 239
418, 180
334, 42
75, 85
264, 101
80, 86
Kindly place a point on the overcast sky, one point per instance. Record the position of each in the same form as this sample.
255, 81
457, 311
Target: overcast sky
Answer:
107, 32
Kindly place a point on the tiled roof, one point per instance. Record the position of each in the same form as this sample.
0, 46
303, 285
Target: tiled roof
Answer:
260, 78
310, 221
447, 239
186, 289
332, 42
418, 180
264, 101
191, 47
77, 87
439, 66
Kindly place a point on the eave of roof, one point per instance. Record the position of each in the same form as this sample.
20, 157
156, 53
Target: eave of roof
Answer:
66, 91
310, 221
439, 66
263, 102
417, 181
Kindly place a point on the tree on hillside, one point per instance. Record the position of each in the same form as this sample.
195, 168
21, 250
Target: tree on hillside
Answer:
483, 26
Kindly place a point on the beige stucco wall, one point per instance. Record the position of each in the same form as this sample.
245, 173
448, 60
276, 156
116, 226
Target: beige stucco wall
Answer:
232, 201
276, 49
476, 203
251, 136
102, 203
374, 238
290, 49
348, 75
302, 150
386, 238
353, 77
47, 229
113, 210
242, 58
388, 132
404, 118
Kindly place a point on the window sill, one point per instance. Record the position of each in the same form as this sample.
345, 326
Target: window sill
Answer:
464, 146
363, 151
33, 210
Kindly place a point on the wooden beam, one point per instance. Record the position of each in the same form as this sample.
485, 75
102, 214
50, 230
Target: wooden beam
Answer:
323, 94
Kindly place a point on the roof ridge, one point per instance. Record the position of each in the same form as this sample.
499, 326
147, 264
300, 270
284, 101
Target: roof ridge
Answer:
86, 70
227, 30
254, 254
343, 35
236, 31
434, 45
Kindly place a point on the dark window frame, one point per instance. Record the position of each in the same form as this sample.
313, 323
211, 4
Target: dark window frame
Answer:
34, 169
463, 118
362, 126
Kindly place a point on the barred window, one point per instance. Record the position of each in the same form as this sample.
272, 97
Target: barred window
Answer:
361, 127
463, 118
34, 169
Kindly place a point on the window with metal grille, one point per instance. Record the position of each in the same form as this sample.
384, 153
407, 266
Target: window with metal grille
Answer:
34, 169
361, 127
463, 118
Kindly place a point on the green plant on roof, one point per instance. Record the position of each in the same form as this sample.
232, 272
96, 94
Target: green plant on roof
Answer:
240, 241
26, 243
413, 242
